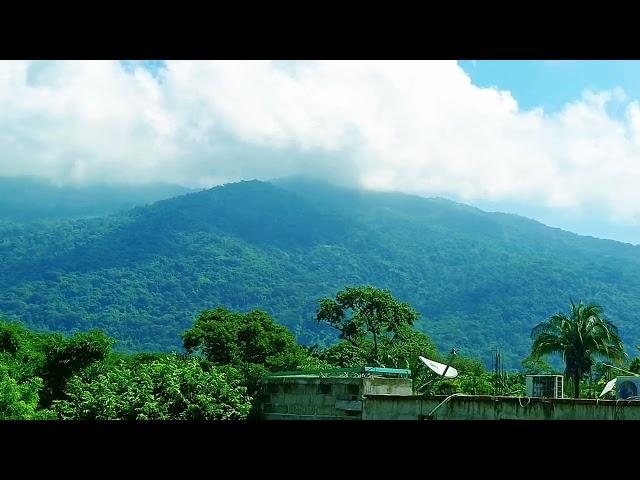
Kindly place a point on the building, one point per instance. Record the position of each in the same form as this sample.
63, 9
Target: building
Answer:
387, 394
336, 394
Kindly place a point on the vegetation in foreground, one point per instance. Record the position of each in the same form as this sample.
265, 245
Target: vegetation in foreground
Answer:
51, 376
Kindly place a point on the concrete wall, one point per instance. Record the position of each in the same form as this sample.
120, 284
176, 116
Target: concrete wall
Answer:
467, 407
381, 398
315, 398
387, 386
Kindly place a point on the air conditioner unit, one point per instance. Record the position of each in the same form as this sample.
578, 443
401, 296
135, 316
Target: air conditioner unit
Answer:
628, 388
545, 386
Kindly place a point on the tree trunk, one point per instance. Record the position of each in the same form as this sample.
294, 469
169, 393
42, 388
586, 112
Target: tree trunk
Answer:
576, 385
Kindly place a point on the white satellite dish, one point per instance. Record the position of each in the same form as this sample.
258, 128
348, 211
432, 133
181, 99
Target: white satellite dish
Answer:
439, 368
608, 387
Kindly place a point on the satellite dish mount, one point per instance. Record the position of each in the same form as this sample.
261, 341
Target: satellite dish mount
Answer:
440, 370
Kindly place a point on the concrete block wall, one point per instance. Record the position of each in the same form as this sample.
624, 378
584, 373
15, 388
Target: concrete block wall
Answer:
381, 398
477, 407
387, 386
316, 398
312, 398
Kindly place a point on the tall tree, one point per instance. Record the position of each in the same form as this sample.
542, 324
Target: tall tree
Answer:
250, 342
233, 338
358, 312
578, 337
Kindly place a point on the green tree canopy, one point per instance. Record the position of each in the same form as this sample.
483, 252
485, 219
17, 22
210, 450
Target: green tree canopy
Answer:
19, 400
66, 356
233, 338
360, 312
167, 388
579, 337
250, 342
536, 366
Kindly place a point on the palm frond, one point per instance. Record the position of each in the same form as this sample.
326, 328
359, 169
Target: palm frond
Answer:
579, 336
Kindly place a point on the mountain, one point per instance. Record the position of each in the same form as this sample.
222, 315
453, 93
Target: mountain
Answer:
478, 279
33, 198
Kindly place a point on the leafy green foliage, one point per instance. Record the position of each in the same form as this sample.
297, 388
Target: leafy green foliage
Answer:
536, 366
167, 388
19, 400
578, 337
231, 338
43, 375
67, 356
38, 365
399, 351
19, 383
634, 366
346, 355
9, 340
252, 343
473, 379
478, 279
359, 311
22, 351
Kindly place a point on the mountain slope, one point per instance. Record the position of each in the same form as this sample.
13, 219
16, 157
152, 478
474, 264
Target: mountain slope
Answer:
25, 199
479, 279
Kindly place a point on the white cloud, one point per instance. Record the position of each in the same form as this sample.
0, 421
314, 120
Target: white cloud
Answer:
418, 127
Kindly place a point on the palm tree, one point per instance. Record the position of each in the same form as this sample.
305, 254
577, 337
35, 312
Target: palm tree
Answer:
579, 336
634, 366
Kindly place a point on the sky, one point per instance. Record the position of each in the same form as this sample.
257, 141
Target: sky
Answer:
558, 141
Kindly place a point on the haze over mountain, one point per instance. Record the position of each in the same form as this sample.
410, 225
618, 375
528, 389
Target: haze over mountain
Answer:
559, 138
479, 279
31, 198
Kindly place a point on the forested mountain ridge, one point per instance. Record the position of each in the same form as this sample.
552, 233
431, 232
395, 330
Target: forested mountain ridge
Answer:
34, 198
479, 279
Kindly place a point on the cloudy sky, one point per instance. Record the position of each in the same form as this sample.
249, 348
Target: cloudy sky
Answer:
558, 141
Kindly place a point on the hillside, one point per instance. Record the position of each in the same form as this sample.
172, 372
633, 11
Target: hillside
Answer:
479, 279
33, 198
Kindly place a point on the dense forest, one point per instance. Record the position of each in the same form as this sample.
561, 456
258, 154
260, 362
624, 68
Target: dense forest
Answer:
478, 279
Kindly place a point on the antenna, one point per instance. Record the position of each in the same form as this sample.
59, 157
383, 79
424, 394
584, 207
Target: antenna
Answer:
499, 378
608, 387
440, 369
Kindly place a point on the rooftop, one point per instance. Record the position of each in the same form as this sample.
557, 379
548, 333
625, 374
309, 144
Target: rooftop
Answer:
344, 372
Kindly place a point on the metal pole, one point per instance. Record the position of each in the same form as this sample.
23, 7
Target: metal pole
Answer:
451, 355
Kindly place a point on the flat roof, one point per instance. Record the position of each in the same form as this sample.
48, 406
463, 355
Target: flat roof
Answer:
343, 372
